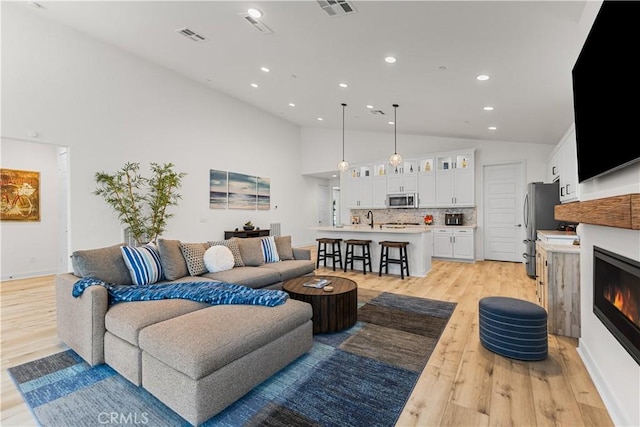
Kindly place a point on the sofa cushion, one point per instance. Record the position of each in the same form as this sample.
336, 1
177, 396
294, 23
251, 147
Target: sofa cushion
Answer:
105, 264
248, 276
285, 251
194, 256
126, 319
291, 268
269, 250
143, 263
218, 258
172, 260
220, 334
251, 251
232, 244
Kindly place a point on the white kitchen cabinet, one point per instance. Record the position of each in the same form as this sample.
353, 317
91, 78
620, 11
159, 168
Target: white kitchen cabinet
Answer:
455, 179
453, 243
403, 178
379, 199
402, 183
359, 187
427, 182
563, 167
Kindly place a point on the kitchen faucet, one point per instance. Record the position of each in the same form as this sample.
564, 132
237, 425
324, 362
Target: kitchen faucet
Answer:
370, 213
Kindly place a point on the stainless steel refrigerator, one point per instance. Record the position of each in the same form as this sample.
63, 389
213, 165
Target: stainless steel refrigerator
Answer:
538, 215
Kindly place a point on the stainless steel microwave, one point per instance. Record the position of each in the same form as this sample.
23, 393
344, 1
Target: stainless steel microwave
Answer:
403, 200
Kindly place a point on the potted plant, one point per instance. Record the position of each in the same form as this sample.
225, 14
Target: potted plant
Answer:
248, 226
141, 203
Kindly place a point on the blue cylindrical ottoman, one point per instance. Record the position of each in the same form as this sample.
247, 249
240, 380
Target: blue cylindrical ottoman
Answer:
513, 328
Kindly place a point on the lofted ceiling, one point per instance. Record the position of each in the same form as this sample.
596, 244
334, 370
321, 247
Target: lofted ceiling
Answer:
527, 48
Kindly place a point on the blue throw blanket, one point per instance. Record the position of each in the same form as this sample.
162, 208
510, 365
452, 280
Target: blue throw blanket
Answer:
214, 293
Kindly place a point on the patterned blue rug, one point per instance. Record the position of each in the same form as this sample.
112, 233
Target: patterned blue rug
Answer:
359, 377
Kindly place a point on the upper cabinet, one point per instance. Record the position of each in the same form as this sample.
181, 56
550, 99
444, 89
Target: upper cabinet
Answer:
427, 181
563, 167
359, 189
439, 180
455, 179
403, 178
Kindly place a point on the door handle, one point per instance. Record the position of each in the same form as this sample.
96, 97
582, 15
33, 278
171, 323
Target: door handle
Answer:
518, 225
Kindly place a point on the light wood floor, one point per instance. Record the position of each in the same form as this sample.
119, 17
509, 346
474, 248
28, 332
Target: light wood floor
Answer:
463, 384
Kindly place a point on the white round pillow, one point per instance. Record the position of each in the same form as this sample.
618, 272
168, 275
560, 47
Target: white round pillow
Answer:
218, 258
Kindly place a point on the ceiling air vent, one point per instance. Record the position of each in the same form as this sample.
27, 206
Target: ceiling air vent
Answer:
191, 35
337, 7
259, 25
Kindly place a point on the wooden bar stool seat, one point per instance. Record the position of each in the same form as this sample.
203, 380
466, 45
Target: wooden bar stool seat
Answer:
365, 254
403, 260
324, 243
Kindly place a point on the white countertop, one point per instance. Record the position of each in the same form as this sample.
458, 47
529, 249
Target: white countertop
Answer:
364, 228
558, 234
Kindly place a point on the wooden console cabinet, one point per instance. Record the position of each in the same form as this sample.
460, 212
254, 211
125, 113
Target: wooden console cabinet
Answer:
558, 287
242, 234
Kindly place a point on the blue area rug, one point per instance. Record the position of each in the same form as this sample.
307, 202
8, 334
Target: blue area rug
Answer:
359, 377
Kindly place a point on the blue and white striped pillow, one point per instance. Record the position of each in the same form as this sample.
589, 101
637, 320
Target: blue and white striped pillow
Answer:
269, 250
143, 264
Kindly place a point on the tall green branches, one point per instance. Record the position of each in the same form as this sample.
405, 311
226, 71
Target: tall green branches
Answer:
141, 203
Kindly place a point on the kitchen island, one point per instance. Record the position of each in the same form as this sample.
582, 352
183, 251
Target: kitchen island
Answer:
419, 250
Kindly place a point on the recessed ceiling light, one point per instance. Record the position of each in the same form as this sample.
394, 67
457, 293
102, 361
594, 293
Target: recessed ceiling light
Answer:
254, 13
391, 123
320, 119
492, 128
482, 77
291, 104
343, 84
390, 59
254, 85
265, 69
334, 176
487, 108
369, 106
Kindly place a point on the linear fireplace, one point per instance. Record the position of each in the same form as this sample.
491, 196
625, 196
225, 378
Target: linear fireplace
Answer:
616, 297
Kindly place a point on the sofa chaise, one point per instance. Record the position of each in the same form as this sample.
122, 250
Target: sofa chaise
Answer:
195, 357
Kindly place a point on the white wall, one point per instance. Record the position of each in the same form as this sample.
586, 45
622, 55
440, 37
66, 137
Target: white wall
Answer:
110, 107
613, 370
31, 248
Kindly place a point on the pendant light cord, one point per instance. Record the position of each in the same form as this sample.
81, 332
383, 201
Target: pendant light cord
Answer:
343, 105
395, 128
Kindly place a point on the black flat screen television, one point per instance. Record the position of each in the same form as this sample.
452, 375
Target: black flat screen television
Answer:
606, 91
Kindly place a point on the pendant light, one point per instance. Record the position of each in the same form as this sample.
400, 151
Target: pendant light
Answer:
396, 158
343, 165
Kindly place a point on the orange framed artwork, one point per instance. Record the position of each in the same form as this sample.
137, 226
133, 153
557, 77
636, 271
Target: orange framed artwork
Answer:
20, 195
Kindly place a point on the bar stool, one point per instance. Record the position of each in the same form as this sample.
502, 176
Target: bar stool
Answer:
350, 256
403, 261
334, 255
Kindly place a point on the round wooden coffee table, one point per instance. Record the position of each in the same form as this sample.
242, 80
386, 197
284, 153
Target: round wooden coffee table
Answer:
332, 311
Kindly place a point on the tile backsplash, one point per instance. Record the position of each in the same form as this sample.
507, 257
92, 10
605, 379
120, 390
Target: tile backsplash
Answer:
408, 216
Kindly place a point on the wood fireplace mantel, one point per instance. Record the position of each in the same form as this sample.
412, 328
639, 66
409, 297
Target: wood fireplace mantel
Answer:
616, 211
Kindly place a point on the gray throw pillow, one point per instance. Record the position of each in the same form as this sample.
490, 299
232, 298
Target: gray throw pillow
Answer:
194, 256
251, 251
232, 244
171, 259
105, 264
283, 245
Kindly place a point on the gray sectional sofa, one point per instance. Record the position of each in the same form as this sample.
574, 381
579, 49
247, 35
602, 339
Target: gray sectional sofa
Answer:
194, 357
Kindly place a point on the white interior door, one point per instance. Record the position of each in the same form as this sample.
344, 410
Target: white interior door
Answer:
503, 222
